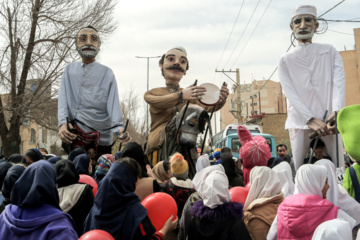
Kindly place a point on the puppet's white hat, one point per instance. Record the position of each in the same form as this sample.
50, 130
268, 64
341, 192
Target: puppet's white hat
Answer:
304, 9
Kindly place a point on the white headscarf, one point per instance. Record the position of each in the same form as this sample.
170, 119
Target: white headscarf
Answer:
335, 229
341, 199
310, 180
202, 162
199, 178
284, 173
214, 191
264, 183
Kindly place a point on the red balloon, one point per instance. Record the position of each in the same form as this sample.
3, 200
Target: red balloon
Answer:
160, 207
89, 180
247, 186
238, 194
96, 234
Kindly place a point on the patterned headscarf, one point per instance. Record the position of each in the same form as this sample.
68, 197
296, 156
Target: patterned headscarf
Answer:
104, 164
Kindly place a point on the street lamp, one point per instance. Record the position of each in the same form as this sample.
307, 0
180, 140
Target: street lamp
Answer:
147, 89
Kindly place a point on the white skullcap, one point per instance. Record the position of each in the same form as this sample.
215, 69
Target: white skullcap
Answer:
180, 49
304, 9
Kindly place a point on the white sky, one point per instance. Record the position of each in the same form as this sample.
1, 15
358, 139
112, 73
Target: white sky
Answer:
203, 27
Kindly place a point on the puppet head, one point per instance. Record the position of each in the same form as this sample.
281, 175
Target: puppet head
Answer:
88, 43
304, 22
174, 64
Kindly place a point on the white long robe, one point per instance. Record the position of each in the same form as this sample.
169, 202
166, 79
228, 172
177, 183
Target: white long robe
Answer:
313, 79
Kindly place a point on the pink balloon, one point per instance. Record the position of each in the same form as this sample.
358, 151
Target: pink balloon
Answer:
247, 186
160, 207
89, 180
238, 194
96, 234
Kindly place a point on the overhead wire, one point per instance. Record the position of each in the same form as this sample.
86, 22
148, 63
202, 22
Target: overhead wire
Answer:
242, 34
230, 34
252, 33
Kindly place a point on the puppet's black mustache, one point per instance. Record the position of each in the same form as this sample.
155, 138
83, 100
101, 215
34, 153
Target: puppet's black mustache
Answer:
175, 68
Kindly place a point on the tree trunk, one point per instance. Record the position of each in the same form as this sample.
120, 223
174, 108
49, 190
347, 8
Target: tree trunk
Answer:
11, 142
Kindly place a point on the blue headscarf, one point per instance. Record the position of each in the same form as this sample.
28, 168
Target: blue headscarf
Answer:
53, 160
75, 153
17, 158
12, 176
117, 209
36, 186
4, 167
38, 154
118, 155
277, 161
82, 162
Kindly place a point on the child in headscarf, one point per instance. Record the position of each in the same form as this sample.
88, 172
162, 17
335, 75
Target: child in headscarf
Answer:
103, 165
75, 198
4, 167
12, 175
33, 155
180, 186
229, 166
341, 199
117, 209
335, 229
34, 212
300, 214
147, 185
75, 152
17, 159
284, 173
202, 162
215, 216
262, 201
254, 151
161, 171
82, 164
198, 182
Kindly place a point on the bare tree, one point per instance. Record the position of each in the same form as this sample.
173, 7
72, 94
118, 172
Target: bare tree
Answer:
133, 108
36, 38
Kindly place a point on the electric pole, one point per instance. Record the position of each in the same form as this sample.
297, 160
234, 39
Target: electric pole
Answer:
147, 89
238, 112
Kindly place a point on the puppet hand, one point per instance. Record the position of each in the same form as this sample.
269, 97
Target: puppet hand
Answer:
331, 121
193, 93
224, 93
124, 137
318, 126
65, 135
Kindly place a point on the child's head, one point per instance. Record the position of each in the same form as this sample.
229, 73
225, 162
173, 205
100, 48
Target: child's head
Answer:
179, 166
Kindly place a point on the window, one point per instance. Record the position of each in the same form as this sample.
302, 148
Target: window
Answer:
44, 136
255, 96
32, 136
256, 112
235, 145
255, 103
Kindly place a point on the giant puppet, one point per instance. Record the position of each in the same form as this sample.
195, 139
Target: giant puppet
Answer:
166, 101
313, 80
88, 97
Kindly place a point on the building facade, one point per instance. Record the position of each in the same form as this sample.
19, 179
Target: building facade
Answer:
351, 59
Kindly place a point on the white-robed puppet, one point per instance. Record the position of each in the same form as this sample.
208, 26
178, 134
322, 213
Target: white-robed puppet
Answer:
313, 79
